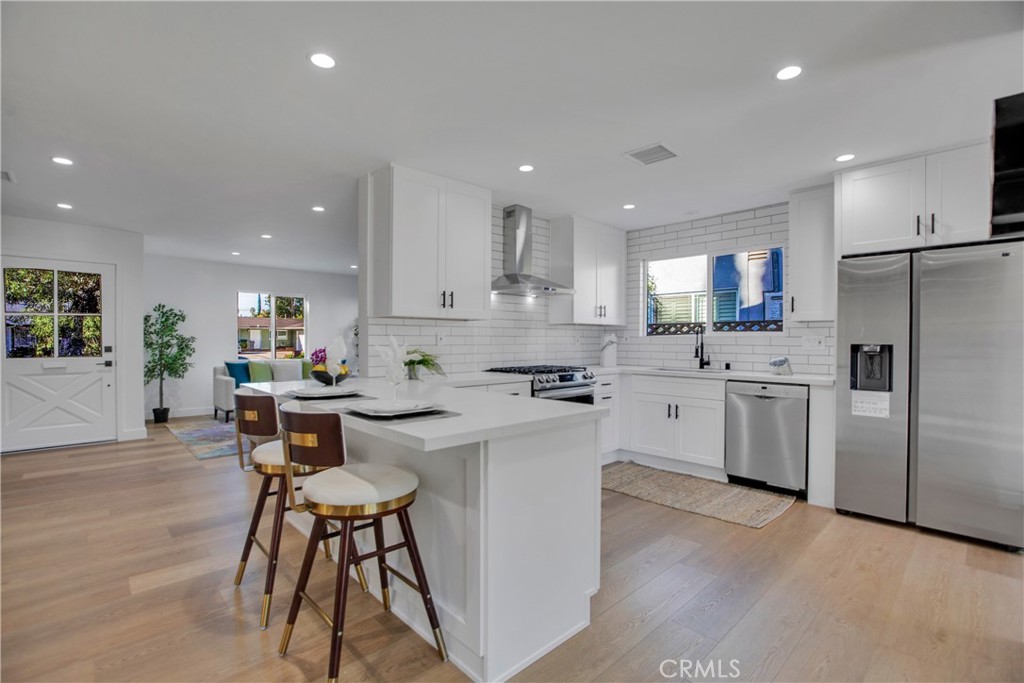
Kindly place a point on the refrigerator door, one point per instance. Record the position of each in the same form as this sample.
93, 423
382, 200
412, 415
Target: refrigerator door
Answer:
970, 465
871, 425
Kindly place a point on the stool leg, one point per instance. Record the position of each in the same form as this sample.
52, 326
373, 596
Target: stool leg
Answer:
275, 547
421, 579
257, 513
340, 594
385, 589
300, 585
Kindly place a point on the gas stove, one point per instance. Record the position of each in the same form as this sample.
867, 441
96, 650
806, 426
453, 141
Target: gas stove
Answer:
560, 382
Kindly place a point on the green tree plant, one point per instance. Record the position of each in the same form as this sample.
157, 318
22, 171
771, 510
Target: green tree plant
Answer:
168, 351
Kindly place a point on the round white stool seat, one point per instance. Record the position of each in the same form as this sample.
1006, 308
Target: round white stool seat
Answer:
358, 489
268, 458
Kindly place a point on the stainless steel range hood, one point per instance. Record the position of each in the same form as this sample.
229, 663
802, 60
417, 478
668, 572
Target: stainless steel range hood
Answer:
519, 278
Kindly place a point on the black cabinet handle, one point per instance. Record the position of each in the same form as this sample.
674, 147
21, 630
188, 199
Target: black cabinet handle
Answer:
677, 411
918, 225
669, 406
933, 223
442, 298
606, 398
451, 299
792, 304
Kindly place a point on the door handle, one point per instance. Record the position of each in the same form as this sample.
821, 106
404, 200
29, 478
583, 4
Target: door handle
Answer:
677, 411
933, 223
107, 363
443, 292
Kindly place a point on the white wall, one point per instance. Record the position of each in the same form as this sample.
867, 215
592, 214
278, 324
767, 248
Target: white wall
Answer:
755, 228
50, 240
518, 332
208, 294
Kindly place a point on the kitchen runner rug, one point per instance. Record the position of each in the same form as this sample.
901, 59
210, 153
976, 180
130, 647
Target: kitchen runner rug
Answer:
728, 502
206, 438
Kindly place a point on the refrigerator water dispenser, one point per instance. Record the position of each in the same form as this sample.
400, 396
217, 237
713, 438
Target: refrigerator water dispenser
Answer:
871, 367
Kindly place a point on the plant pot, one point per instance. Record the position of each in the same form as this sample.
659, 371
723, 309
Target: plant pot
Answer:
414, 371
160, 415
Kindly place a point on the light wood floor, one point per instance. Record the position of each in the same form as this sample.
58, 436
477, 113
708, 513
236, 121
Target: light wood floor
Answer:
118, 561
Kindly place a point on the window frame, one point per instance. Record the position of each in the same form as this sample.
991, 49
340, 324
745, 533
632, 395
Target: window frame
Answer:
710, 255
272, 330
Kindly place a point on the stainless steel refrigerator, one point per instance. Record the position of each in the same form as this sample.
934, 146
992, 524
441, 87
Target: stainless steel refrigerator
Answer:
930, 389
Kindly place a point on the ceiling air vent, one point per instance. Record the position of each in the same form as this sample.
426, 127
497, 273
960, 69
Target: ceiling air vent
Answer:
6, 177
651, 154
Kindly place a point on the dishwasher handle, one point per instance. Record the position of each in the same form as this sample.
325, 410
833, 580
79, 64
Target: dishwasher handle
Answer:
767, 389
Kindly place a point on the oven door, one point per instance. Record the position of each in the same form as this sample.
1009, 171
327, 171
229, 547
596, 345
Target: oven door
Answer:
583, 394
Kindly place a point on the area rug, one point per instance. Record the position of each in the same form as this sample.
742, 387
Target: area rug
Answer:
206, 438
728, 502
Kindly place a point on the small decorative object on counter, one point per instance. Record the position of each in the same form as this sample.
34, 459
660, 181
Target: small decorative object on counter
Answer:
418, 358
325, 372
780, 366
609, 346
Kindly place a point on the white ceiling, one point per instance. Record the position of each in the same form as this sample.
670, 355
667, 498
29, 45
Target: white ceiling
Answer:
203, 125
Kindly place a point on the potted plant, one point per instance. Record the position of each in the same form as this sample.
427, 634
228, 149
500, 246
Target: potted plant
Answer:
168, 351
418, 358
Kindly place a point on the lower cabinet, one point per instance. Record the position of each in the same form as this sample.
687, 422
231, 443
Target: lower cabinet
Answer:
684, 420
511, 389
606, 395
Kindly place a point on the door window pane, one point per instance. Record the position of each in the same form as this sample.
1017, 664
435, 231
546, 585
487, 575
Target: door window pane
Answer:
748, 291
80, 335
29, 336
289, 326
28, 290
78, 292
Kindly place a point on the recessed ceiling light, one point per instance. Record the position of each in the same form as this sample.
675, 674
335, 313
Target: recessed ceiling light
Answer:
526, 168
63, 161
64, 206
266, 237
318, 209
629, 206
845, 157
236, 253
788, 73
353, 266
321, 60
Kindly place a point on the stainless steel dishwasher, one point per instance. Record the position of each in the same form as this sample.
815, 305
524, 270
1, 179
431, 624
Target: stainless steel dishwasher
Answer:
766, 433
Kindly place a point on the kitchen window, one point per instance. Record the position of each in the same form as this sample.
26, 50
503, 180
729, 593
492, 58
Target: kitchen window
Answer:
746, 293
271, 325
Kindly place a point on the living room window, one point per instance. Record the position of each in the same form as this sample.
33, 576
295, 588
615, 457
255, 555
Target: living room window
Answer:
271, 325
746, 293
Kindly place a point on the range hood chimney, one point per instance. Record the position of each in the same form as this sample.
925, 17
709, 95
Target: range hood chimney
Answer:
519, 278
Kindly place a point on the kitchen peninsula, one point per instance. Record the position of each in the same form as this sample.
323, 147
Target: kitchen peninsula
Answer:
507, 516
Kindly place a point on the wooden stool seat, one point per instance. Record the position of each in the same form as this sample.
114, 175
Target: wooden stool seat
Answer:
359, 489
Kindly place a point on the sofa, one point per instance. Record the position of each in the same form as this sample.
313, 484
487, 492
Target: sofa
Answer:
233, 374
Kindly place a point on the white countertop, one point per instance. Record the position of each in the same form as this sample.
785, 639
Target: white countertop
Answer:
482, 415
474, 379
738, 375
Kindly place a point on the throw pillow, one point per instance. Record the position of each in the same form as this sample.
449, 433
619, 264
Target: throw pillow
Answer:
239, 370
307, 368
286, 370
260, 371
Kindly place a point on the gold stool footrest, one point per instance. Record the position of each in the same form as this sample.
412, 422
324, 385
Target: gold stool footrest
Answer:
405, 579
319, 610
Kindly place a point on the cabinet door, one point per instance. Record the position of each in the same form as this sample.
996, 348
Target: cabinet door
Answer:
610, 424
812, 262
700, 432
585, 251
959, 195
418, 217
653, 429
467, 252
884, 207
611, 276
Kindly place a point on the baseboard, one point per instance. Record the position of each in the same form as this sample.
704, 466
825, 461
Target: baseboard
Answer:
189, 412
671, 465
132, 434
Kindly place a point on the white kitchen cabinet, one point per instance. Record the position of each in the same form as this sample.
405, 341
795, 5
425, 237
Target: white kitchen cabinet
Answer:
942, 198
606, 395
511, 389
590, 258
679, 419
812, 262
425, 245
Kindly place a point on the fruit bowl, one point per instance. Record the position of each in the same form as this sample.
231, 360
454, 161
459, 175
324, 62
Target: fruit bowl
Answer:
325, 377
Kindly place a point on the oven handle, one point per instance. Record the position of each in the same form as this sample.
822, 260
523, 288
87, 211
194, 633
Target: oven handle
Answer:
570, 392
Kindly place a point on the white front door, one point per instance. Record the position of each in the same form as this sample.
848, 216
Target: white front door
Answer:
58, 354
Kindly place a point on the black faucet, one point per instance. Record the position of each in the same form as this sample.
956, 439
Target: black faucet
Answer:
698, 351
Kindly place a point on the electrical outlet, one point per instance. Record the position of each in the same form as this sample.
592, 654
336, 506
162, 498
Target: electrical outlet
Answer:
441, 340
813, 342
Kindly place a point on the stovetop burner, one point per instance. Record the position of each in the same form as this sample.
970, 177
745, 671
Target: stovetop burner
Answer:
539, 369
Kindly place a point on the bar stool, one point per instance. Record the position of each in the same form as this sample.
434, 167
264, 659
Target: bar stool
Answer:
256, 421
347, 494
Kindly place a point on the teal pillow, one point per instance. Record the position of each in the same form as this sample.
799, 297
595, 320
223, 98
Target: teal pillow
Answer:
260, 371
307, 367
239, 369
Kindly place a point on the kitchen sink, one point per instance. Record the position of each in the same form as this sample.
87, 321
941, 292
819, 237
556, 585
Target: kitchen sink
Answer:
703, 371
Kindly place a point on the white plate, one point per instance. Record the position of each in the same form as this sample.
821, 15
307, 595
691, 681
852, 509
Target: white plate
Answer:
385, 408
323, 392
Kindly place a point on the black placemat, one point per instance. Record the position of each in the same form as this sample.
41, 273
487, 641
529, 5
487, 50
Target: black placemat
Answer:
403, 419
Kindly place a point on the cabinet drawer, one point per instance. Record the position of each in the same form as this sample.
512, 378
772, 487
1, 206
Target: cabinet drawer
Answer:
606, 385
680, 387
511, 388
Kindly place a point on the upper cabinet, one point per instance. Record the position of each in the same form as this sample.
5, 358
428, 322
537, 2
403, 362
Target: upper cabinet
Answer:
590, 258
426, 245
812, 262
941, 198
